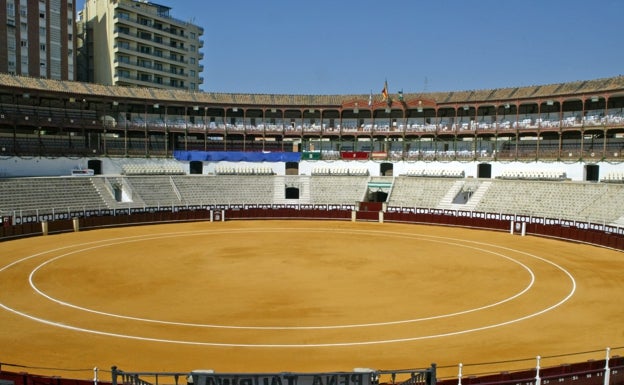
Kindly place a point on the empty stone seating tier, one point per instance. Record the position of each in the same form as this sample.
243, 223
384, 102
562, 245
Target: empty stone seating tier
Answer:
152, 169
582, 201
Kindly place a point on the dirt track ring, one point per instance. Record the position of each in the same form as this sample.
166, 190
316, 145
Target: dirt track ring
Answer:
313, 335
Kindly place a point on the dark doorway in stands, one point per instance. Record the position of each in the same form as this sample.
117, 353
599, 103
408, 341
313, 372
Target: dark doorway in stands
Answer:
196, 167
292, 193
377, 196
484, 170
592, 172
95, 165
386, 169
292, 168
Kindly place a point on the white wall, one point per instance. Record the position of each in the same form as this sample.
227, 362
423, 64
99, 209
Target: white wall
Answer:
21, 167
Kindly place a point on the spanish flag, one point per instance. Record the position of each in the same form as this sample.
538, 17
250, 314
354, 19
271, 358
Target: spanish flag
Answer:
384, 92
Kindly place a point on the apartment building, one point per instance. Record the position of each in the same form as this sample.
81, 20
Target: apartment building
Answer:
138, 43
37, 38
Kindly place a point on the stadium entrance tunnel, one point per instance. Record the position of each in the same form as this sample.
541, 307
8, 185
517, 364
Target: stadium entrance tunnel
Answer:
95, 165
292, 193
386, 169
292, 168
377, 196
592, 172
484, 170
196, 167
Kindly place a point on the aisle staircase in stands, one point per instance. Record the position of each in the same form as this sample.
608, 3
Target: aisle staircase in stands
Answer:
479, 188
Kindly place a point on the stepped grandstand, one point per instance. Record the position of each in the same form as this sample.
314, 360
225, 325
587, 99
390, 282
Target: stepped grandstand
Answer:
80, 155
578, 121
477, 150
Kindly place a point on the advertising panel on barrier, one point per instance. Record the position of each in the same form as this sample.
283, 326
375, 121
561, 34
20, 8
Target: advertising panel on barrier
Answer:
551, 221
6, 221
339, 378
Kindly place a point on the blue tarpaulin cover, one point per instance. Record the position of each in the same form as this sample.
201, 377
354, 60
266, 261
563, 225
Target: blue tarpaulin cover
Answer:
237, 156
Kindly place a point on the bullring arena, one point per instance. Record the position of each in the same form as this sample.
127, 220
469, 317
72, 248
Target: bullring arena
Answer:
302, 296
245, 234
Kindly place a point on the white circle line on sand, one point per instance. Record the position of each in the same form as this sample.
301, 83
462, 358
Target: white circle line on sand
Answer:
376, 324
336, 344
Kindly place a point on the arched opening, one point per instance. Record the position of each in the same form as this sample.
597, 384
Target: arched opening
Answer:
292, 193
377, 196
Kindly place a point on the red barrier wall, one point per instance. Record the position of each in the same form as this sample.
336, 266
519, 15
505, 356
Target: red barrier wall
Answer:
579, 232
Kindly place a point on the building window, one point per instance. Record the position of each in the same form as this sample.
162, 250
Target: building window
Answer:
42, 47
193, 48
193, 61
41, 15
24, 43
192, 73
